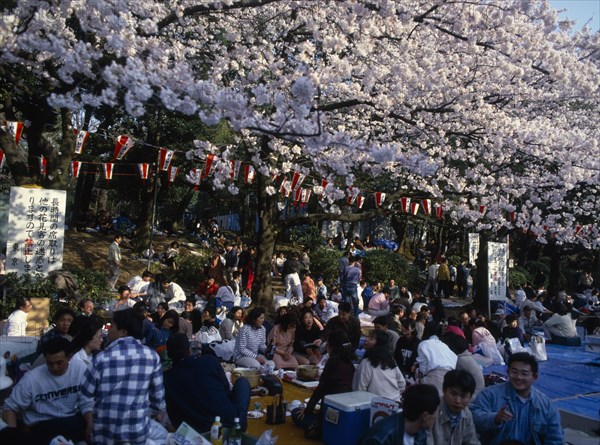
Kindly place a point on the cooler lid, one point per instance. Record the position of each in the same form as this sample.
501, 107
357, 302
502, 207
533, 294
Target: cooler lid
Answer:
350, 401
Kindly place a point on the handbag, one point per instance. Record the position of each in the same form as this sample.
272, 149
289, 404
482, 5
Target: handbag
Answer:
537, 344
276, 411
208, 335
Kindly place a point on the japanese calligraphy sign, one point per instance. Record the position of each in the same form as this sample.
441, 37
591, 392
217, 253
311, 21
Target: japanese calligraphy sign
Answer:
36, 230
497, 270
473, 247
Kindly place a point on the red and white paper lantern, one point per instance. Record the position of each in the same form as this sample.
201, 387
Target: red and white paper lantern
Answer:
414, 208
248, 173
405, 204
426, 204
173, 173
75, 168
235, 169
297, 180
1, 159
144, 169
379, 198
43, 165
108, 170
124, 144
439, 211
360, 200
15, 128
164, 159
210, 159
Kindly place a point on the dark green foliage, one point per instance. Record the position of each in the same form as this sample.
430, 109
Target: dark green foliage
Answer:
308, 236
190, 267
518, 276
381, 265
324, 263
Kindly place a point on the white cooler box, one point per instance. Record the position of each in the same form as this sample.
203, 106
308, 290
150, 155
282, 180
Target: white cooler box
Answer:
347, 417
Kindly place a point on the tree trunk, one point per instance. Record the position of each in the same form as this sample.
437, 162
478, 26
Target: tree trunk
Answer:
262, 294
555, 269
83, 193
482, 298
399, 225
142, 237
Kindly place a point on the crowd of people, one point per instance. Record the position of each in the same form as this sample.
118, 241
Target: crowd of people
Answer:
131, 384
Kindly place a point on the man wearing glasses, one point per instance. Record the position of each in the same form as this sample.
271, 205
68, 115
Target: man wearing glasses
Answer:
515, 410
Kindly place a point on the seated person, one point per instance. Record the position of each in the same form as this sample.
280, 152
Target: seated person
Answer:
528, 322
465, 360
232, 324
454, 422
379, 304
197, 390
250, 343
325, 309
307, 340
378, 372
560, 324
406, 347
139, 285
512, 329
419, 411
346, 322
48, 396
515, 410
225, 296
174, 294
123, 302
17, 320
282, 338
207, 289
62, 322
381, 324
395, 316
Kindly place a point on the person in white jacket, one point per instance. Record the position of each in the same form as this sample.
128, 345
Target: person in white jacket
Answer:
49, 396
378, 372
16, 324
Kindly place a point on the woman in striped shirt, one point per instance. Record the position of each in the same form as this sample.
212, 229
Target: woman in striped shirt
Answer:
250, 343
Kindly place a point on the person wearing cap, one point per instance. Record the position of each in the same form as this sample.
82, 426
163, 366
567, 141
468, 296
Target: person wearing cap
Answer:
209, 396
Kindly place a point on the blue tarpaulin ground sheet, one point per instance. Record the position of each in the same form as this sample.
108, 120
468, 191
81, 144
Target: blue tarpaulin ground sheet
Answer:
587, 406
568, 372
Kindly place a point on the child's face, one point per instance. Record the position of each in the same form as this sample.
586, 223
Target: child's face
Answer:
456, 399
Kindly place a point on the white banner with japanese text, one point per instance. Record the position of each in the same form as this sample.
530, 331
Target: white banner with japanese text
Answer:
473, 247
497, 270
36, 230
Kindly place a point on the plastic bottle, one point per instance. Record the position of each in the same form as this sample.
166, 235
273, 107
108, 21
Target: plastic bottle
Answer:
216, 432
235, 436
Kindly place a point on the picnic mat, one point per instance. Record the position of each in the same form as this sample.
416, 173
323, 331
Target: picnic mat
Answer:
287, 432
586, 405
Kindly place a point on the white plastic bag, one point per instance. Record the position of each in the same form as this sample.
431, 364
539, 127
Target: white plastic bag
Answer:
208, 335
491, 350
223, 349
537, 343
267, 438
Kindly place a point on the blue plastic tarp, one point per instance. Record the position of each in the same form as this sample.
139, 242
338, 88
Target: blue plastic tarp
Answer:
587, 406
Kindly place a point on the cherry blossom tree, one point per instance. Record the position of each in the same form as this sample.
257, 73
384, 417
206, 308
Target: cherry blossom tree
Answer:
469, 104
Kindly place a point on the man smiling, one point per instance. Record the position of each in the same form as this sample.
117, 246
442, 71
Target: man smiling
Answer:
515, 410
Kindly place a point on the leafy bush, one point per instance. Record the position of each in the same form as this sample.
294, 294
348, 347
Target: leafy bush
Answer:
382, 265
32, 286
324, 262
308, 236
518, 276
190, 267
92, 285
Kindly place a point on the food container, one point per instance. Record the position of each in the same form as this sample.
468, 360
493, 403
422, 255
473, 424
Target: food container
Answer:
307, 372
253, 376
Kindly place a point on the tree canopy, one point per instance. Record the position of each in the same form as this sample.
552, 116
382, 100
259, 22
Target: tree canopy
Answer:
470, 104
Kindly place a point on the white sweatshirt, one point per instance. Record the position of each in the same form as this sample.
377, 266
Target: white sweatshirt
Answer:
40, 395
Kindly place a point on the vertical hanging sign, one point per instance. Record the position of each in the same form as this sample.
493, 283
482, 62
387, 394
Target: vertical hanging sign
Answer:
497, 270
36, 230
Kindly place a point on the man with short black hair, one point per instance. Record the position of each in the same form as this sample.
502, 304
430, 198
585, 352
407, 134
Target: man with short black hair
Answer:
381, 324
49, 397
419, 409
344, 321
125, 384
325, 309
515, 410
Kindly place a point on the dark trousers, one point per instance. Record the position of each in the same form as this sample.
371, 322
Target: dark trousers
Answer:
72, 428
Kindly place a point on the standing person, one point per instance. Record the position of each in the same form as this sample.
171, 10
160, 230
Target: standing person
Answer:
114, 261
305, 258
419, 410
443, 279
461, 279
378, 372
231, 260
49, 397
366, 293
432, 276
216, 267
454, 422
248, 270
515, 410
17, 321
309, 290
125, 384
291, 271
349, 284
